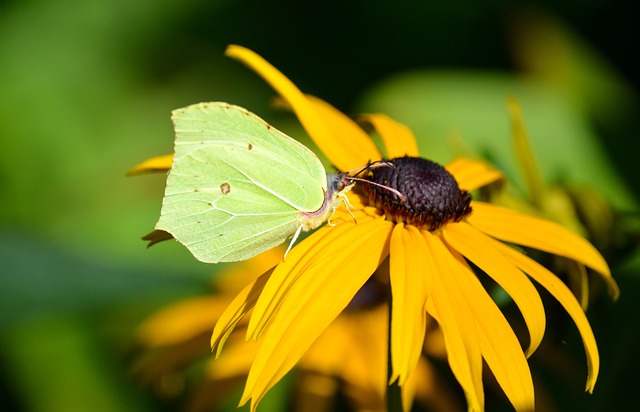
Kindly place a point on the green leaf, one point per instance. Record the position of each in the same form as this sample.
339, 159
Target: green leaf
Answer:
446, 107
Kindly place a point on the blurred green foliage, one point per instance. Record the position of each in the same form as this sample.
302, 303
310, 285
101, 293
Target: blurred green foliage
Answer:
86, 88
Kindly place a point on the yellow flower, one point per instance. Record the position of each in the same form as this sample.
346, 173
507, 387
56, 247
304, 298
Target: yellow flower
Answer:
427, 246
429, 240
348, 357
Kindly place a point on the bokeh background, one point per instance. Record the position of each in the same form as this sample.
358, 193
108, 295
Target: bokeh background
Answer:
86, 88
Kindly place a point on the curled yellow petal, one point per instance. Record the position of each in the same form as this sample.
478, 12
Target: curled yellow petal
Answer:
156, 164
515, 227
475, 246
568, 301
237, 309
398, 139
499, 344
472, 174
409, 291
344, 143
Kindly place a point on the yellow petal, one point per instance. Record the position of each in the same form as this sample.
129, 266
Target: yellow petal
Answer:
398, 139
409, 287
344, 143
327, 354
421, 375
366, 363
472, 174
354, 350
457, 323
181, 321
237, 309
154, 165
499, 344
476, 247
578, 280
568, 301
521, 229
234, 362
301, 256
324, 285
348, 147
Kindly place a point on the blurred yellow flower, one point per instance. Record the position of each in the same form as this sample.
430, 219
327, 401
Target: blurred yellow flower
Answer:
348, 358
581, 209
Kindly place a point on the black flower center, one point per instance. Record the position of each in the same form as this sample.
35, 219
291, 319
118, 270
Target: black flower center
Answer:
432, 195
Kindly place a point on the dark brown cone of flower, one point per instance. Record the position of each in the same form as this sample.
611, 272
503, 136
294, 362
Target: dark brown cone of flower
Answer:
432, 195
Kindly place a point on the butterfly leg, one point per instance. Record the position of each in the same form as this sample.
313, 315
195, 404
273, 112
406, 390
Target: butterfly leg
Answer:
293, 240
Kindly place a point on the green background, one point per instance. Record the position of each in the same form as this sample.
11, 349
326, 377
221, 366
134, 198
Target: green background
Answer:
86, 88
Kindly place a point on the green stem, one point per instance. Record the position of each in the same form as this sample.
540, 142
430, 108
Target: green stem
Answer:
394, 397
394, 391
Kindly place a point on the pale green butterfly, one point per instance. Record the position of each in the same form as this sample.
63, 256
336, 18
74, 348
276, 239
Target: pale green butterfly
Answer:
238, 186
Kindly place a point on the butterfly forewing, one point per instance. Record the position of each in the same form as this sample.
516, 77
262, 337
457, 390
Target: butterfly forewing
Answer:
236, 185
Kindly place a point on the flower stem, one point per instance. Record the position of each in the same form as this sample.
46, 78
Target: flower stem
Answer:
394, 391
394, 397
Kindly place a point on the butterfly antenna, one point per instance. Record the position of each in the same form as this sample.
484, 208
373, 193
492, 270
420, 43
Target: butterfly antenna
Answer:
402, 197
372, 165
380, 163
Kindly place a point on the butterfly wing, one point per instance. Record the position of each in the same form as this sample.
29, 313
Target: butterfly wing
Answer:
237, 184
